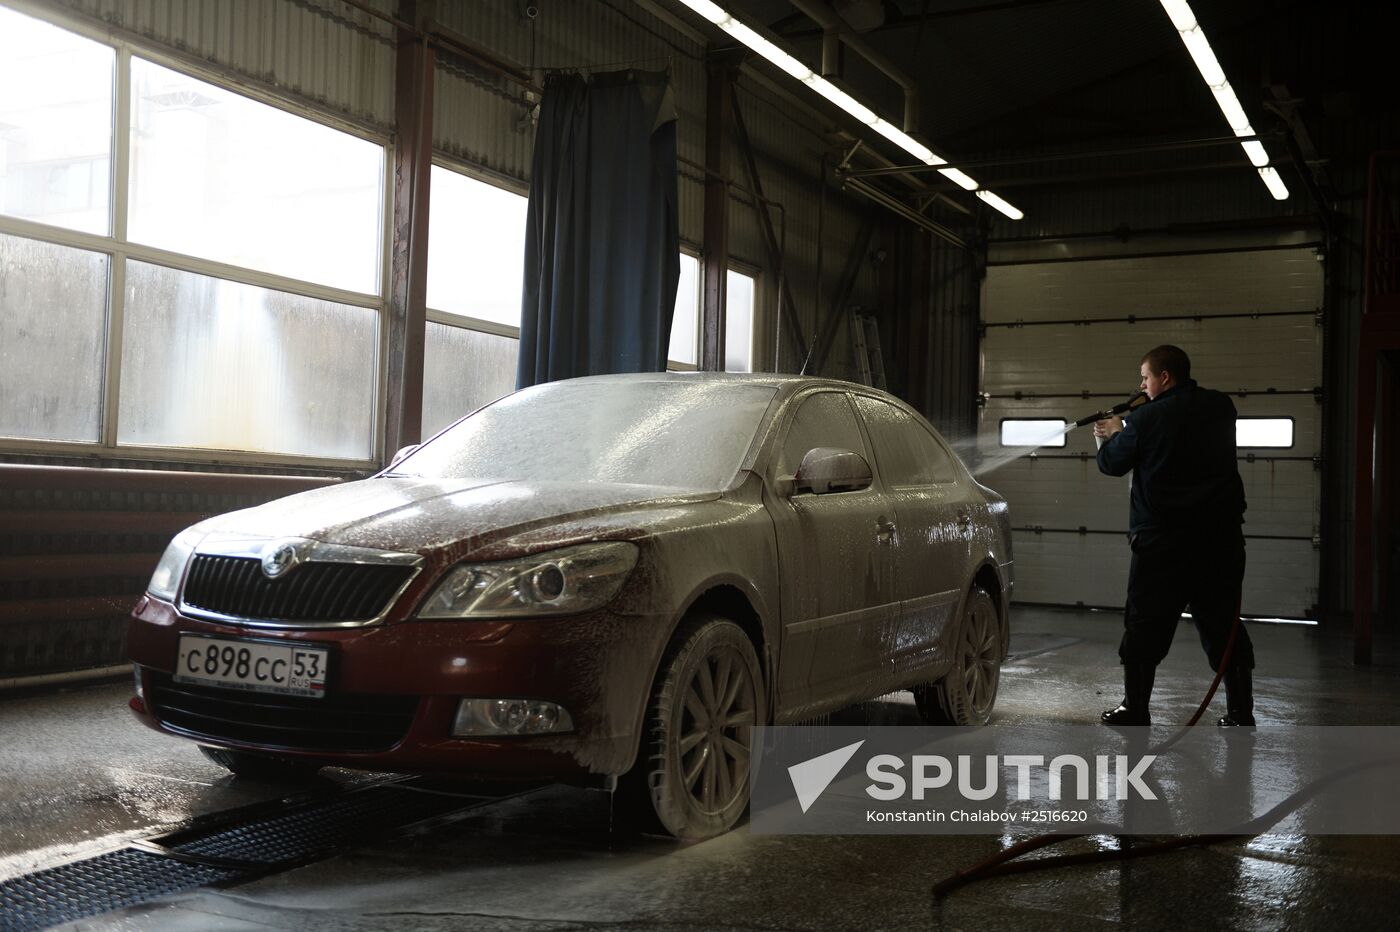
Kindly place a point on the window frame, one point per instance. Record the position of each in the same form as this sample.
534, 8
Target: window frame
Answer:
495, 180
756, 345
1292, 431
116, 245
673, 365
1001, 433
466, 321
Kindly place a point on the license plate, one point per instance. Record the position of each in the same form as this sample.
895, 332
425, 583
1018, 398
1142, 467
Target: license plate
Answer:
288, 669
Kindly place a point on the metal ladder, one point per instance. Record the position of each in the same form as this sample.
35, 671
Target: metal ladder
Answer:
865, 337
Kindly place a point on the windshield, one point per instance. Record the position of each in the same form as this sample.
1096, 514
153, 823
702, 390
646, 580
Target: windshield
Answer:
683, 433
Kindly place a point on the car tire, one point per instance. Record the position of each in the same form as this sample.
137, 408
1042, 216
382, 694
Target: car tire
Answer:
966, 693
260, 766
692, 776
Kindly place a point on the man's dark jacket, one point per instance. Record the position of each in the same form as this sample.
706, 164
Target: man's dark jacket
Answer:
1181, 450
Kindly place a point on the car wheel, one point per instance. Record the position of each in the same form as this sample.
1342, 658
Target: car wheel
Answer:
708, 698
260, 766
968, 691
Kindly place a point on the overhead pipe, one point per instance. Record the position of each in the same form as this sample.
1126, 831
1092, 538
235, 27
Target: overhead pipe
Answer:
832, 23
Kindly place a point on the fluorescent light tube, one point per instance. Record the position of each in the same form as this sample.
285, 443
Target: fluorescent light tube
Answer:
1274, 183
767, 49
1203, 56
1000, 204
908, 143
841, 99
1255, 150
796, 69
1182, 17
710, 11
961, 179
1230, 106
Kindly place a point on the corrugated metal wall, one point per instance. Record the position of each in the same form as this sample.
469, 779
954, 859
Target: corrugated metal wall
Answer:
930, 303
329, 54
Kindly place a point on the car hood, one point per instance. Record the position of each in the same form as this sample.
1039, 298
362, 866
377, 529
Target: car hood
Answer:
415, 515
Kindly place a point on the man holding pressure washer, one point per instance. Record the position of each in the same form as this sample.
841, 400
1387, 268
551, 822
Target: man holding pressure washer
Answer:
1185, 528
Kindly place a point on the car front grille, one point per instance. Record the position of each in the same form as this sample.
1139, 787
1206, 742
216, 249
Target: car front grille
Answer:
352, 722
314, 592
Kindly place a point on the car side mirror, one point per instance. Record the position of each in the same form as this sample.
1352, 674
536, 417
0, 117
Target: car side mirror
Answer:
403, 453
829, 469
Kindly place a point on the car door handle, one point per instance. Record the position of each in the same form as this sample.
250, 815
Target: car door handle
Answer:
884, 529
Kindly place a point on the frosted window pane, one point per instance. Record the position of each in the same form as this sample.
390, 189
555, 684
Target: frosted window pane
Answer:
476, 248
1275, 432
463, 370
226, 178
685, 323
52, 310
1034, 432
220, 365
738, 322
55, 125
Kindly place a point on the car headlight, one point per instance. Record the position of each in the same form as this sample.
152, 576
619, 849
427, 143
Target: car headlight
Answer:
560, 582
166, 579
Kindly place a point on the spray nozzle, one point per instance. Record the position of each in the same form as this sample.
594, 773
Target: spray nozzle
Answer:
1137, 399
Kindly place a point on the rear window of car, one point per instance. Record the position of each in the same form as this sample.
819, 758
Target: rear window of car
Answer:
688, 434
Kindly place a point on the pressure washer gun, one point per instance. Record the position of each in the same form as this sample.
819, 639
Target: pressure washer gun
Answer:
1138, 399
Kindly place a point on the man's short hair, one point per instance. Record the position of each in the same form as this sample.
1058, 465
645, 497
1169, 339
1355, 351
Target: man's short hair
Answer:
1168, 358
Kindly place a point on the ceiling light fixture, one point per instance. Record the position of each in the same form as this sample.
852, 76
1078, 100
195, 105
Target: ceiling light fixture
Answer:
786, 62
1196, 43
1000, 204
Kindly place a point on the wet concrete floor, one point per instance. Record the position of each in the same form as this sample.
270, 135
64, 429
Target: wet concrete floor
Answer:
79, 774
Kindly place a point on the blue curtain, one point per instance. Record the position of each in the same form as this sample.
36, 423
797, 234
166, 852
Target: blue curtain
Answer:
602, 240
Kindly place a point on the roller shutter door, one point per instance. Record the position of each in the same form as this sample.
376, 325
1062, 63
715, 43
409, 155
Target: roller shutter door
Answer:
1063, 339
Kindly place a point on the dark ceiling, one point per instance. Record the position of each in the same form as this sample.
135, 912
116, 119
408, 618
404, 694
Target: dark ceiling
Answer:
1019, 74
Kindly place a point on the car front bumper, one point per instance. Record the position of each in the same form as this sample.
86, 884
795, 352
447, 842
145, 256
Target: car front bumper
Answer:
598, 666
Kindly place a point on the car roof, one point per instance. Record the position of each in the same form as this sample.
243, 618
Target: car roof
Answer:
785, 382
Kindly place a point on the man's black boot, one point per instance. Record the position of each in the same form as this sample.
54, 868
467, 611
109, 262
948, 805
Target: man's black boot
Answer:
1239, 698
1137, 693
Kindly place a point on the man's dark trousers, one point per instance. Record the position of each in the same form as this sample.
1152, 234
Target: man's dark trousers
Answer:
1171, 570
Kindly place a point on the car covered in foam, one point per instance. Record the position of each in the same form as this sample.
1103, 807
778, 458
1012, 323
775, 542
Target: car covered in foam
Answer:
607, 580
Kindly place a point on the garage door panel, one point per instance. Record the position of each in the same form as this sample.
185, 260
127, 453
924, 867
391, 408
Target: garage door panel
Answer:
1282, 498
1069, 569
1049, 493
1069, 409
1304, 410
1224, 283
1284, 353
1072, 569
1280, 578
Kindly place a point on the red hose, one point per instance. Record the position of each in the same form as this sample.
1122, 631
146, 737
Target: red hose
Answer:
996, 865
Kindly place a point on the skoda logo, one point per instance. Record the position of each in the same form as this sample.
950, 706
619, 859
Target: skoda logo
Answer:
279, 558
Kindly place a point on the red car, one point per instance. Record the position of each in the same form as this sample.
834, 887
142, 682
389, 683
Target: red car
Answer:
604, 579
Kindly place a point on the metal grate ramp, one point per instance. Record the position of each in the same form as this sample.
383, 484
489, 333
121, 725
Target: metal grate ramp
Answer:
228, 848
97, 885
